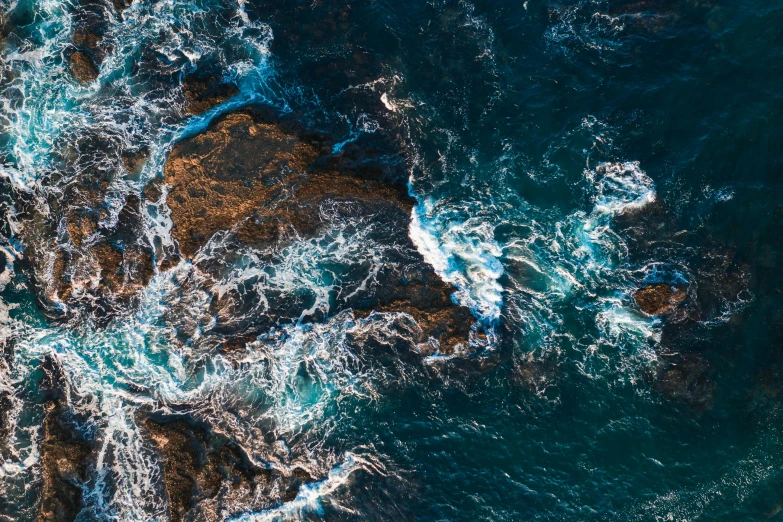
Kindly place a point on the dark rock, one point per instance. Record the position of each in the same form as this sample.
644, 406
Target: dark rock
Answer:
206, 473
91, 22
43, 258
126, 264
64, 456
135, 162
88, 42
123, 262
6, 396
121, 5
82, 67
65, 452
202, 92
660, 298
64, 275
426, 298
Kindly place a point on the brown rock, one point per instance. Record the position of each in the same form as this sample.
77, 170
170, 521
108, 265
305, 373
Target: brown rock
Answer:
84, 38
121, 5
64, 276
83, 67
220, 177
80, 226
64, 457
428, 300
660, 298
135, 162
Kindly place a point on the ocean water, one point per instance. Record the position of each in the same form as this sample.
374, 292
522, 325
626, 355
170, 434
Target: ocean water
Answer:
561, 156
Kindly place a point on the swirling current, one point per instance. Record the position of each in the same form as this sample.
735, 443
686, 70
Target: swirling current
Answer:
366, 260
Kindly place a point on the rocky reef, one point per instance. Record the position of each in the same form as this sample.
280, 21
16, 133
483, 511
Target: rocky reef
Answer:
253, 183
89, 264
262, 182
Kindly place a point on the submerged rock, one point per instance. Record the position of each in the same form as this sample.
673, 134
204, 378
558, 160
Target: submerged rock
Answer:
6, 395
687, 379
134, 162
78, 259
126, 263
660, 298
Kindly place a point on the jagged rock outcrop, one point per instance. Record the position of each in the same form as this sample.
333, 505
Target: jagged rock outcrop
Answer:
6, 395
82, 67
89, 262
208, 477
220, 177
89, 48
264, 182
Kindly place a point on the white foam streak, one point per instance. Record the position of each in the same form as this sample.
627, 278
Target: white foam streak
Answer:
463, 252
304, 265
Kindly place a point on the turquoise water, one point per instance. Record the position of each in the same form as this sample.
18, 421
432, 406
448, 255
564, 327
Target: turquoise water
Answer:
562, 155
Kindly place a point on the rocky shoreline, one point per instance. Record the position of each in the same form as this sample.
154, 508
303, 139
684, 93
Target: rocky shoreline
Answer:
258, 181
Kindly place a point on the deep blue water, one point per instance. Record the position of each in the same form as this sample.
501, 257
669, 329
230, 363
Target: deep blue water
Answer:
562, 155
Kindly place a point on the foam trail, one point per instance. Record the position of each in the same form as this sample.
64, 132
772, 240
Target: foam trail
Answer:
304, 264
618, 187
463, 252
